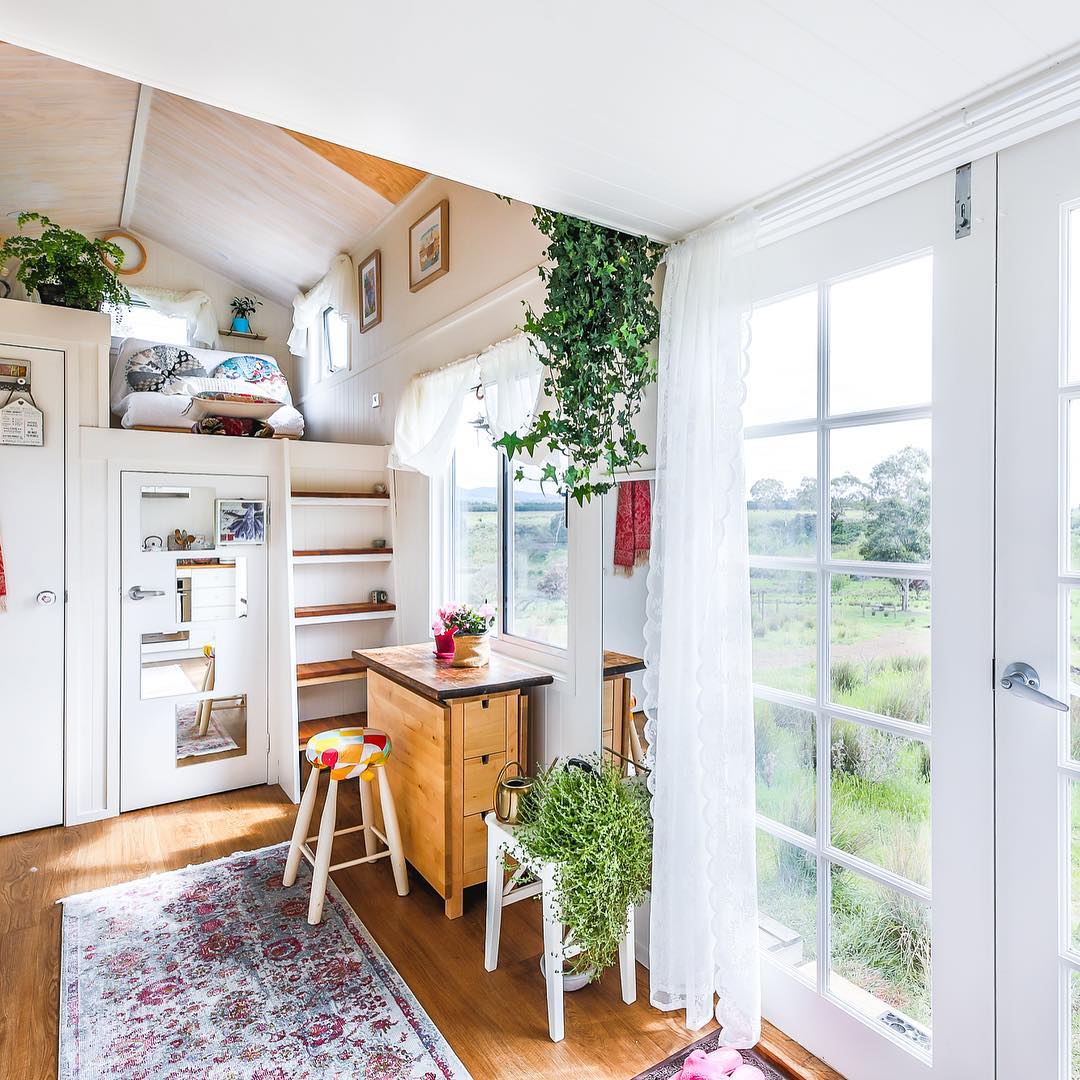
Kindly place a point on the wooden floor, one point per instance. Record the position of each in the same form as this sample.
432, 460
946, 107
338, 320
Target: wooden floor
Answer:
497, 1023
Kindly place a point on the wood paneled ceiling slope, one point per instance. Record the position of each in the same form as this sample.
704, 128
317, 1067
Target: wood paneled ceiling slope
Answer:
265, 207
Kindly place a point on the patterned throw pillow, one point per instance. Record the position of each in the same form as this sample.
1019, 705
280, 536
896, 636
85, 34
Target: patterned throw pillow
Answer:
259, 370
153, 369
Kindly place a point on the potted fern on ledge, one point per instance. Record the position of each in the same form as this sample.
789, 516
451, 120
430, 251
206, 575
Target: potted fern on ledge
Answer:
65, 267
597, 825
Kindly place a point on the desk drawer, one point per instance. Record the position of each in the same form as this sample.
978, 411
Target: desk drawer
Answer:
480, 776
474, 836
485, 726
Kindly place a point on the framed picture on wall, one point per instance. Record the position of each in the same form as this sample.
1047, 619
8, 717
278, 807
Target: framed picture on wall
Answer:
370, 276
429, 247
241, 521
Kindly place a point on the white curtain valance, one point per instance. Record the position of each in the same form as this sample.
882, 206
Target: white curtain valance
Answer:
337, 289
194, 305
698, 696
429, 415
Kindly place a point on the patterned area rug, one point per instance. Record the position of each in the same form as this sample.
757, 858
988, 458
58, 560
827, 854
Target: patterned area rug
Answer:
213, 972
189, 743
671, 1066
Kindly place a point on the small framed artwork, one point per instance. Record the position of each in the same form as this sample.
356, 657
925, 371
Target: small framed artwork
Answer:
241, 521
429, 247
370, 274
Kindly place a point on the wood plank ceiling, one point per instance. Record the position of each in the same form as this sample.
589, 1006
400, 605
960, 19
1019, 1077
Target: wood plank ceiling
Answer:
251, 201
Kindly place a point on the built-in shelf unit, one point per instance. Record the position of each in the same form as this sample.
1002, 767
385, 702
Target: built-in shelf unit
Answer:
341, 539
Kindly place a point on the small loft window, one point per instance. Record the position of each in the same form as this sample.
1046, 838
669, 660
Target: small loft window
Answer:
141, 321
335, 340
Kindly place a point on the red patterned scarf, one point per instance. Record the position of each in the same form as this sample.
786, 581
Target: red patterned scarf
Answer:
633, 526
3, 583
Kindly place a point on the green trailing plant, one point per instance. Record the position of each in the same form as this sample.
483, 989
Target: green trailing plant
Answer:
64, 266
598, 827
594, 338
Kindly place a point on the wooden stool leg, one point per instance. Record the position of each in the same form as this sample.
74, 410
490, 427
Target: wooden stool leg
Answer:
628, 961
300, 829
367, 816
393, 835
322, 855
494, 900
553, 957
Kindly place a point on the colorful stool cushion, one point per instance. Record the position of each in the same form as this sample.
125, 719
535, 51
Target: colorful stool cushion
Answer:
348, 752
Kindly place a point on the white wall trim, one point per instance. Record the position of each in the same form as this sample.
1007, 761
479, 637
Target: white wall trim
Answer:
1011, 112
138, 141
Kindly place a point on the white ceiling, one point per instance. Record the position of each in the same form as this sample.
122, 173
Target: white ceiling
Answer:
655, 115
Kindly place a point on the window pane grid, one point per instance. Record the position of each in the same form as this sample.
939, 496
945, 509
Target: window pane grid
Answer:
889, 993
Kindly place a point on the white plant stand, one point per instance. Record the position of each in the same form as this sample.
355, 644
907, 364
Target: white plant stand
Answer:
501, 842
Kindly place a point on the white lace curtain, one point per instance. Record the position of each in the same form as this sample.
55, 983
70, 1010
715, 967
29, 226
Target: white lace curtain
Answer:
336, 289
194, 305
429, 415
698, 702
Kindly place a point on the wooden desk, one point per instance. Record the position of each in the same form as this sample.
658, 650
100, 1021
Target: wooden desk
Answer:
452, 730
617, 708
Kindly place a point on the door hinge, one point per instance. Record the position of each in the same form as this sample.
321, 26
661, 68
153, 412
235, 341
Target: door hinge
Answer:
962, 201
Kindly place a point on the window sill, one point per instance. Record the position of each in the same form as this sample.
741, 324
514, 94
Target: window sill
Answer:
554, 660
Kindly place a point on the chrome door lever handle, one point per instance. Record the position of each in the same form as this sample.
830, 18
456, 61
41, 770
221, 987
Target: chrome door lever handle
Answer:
1023, 679
137, 592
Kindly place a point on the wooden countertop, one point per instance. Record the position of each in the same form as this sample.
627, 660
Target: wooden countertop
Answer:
415, 667
617, 663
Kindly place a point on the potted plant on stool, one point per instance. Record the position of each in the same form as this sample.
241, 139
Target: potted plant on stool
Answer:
467, 627
584, 815
65, 267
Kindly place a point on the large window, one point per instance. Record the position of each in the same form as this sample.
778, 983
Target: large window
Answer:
838, 477
509, 542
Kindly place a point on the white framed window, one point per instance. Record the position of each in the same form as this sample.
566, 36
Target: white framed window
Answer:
504, 541
139, 320
334, 341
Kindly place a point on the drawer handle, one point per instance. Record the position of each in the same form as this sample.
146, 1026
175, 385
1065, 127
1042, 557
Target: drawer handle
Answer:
485, 703
485, 758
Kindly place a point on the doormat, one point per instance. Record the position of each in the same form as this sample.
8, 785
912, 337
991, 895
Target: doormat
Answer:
213, 972
189, 743
671, 1066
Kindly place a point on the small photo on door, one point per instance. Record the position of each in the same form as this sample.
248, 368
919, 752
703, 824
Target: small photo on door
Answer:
241, 521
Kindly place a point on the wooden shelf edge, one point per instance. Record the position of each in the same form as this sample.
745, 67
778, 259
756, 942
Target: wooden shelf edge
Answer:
320, 552
347, 669
322, 610
340, 495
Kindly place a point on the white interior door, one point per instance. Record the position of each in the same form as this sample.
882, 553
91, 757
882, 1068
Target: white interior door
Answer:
32, 629
869, 456
1038, 607
193, 637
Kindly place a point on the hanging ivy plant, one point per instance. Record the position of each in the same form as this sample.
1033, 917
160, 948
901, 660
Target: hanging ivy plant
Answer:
593, 338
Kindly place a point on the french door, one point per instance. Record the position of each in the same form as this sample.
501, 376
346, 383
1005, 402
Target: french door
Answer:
1038, 608
869, 413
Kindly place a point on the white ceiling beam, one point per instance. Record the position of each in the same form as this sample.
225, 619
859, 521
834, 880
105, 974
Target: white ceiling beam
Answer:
138, 141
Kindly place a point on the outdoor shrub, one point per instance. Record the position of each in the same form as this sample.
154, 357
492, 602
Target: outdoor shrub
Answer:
846, 677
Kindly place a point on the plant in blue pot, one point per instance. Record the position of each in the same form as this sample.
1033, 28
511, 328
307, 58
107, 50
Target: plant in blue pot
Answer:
243, 307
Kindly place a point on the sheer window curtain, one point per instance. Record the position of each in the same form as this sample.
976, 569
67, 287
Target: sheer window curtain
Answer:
336, 289
698, 698
428, 418
194, 305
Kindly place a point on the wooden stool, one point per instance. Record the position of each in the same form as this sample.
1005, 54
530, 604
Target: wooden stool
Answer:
345, 752
501, 842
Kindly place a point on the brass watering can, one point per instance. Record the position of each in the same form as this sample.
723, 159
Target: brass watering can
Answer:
509, 793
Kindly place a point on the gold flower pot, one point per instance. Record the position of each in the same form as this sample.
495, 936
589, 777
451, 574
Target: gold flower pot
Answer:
471, 650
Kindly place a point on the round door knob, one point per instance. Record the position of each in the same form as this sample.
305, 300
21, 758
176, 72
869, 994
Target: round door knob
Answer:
46, 598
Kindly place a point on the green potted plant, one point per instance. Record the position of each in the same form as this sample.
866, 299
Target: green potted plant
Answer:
597, 825
593, 338
468, 626
65, 267
243, 307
